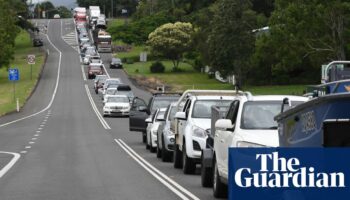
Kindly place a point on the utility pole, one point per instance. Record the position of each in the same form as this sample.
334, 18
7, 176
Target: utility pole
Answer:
112, 8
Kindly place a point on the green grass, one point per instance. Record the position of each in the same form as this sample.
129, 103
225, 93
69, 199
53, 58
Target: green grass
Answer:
191, 79
116, 22
24, 86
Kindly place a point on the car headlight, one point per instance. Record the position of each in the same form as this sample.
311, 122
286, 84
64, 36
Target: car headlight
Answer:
248, 144
198, 132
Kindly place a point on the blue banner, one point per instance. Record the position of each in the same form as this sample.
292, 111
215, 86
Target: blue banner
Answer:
289, 173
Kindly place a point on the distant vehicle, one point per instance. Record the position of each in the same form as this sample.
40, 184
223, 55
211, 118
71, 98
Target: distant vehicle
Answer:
111, 91
99, 82
88, 53
95, 59
116, 63
94, 13
95, 69
56, 16
153, 123
141, 111
111, 81
37, 42
117, 105
103, 40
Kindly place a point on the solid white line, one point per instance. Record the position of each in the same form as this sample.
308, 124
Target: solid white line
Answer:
7, 167
177, 192
82, 70
103, 122
56, 86
160, 173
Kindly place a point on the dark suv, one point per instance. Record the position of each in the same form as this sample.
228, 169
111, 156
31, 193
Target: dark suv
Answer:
140, 111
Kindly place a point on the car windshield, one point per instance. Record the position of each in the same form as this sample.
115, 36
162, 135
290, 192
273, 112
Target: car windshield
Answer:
109, 82
118, 99
160, 115
127, 93
202, 108
172, 113
260, 114
111, 91
101, 78
116, 60
161, 103
93, 67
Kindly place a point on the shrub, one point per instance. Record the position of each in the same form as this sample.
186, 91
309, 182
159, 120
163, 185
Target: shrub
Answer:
157, 67
129, 61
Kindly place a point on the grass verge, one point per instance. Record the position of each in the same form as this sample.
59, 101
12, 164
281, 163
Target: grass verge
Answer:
25, 85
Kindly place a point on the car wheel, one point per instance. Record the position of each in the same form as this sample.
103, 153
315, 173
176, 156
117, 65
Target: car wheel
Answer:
188, 166
147, 145
166, 155
206, 175
151, 149
144, 137
219, 188
177, 157
159, 151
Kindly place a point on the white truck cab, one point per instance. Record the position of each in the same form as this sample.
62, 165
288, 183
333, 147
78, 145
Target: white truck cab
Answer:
249, 122
192, 121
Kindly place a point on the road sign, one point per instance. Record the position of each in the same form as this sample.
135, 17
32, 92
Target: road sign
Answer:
13, 74
31, 59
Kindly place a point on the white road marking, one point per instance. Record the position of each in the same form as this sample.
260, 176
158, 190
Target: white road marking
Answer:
7, 167
27, 147
42, 125
36, 135
48, 51
56, 86
103, 122
31, 142
177, 192
38, 131
34, 138
40, 128
23, 152
175, 187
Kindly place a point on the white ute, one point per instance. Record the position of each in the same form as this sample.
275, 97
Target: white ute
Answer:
192, 121
249, 122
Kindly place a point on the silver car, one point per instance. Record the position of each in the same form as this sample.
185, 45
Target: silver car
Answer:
166, 137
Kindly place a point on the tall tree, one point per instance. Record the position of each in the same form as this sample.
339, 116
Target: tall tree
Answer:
231, 41
8, 32
171, 40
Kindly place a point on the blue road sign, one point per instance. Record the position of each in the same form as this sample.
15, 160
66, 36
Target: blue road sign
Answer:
13, 74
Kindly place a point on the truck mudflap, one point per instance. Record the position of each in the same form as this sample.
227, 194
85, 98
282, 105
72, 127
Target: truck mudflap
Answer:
207, 158
336, 133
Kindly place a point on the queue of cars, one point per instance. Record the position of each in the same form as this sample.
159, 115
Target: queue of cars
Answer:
191, 129
116, 96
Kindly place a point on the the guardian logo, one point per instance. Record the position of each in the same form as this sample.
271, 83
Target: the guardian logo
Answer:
278, 172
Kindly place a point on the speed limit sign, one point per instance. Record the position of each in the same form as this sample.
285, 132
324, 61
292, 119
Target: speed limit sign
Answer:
31, 59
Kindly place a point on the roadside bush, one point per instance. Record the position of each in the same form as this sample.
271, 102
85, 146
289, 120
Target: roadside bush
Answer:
157, 67
130, 61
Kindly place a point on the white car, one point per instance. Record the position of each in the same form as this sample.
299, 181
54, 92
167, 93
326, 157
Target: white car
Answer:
110, 81
117, 105
153, 123
109, 92
56, 16
249, 123
193, 125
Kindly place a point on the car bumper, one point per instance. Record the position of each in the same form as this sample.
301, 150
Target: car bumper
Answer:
116, 112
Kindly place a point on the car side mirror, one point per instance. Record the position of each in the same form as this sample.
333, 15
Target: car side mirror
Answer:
180, 116
148, 120
224, 125
142, 109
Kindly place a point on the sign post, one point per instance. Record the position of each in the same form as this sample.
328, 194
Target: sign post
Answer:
31, 62
14, 76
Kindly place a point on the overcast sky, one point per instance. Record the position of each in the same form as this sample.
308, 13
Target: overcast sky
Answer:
67, 3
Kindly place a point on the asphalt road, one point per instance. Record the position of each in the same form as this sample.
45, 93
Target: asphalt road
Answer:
59, 147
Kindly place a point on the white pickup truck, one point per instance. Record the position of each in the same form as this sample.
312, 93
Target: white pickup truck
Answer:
249, 122
192, 124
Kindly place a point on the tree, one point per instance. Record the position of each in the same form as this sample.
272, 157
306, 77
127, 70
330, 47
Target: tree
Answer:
8, 32
231, 41
64, 12
171, 40
304, 35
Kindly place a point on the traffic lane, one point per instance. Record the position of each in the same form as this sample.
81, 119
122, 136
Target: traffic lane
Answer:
77, 158
44, 90
120, 73
120, 129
